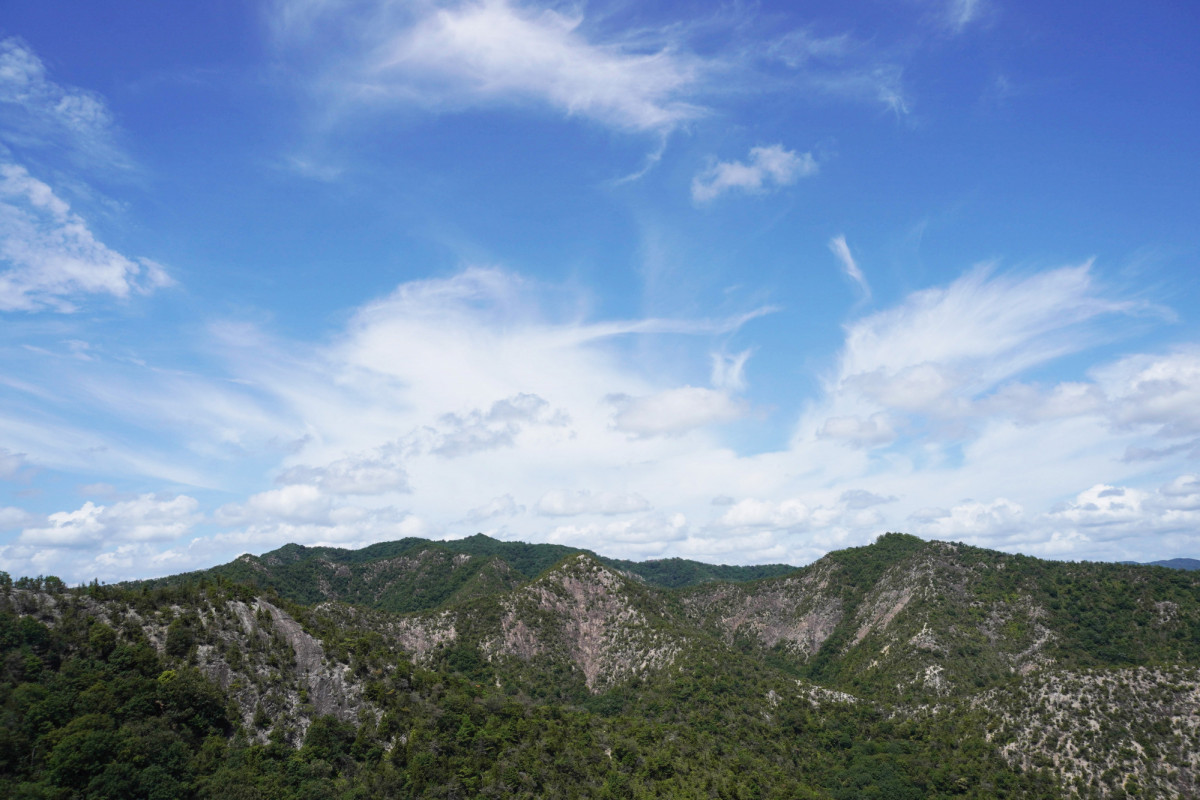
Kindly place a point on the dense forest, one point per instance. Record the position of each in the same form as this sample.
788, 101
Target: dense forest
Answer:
905, 669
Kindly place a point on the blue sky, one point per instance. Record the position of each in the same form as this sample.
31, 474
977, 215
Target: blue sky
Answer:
737, 282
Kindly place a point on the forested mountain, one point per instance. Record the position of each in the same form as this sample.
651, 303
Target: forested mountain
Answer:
904, 669
414, 574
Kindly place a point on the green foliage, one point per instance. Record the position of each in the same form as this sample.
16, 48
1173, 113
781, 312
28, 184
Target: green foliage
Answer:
92, 709
417, 574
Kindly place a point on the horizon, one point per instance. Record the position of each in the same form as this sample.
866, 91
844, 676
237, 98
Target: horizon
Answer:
85, 583
738, 284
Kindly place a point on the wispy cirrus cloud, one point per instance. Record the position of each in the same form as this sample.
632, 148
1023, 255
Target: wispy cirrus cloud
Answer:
457, 55
956, 15
838, 246
49, 256
448, 56
945, 346
40, 113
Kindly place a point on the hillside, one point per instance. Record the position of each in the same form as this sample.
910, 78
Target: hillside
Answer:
901, 669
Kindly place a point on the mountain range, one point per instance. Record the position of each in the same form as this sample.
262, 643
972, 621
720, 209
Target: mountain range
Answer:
477, 667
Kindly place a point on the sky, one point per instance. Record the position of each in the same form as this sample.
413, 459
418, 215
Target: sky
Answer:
739, 282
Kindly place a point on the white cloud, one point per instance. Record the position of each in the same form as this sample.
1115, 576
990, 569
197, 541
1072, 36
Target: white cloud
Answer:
673, 411
1184, 492
969, 521
51, 257
645, 536
345, 526
858, 499
12, 518
294, 504
1158, 391
753, 513
563, 503
842, 250
147, 518
958, 14
1103, 506
455, 55
944, 356
476, 431
768, 167
871, 431
474, 391
998, 324
39, 112
379, 473
728, 371
502, 506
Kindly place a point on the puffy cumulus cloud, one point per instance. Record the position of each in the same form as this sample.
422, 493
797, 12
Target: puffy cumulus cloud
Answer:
458, 55
1104, 521
802, 526
1103, 506
970, 521
1184, 492
1105, 512
147, 518
463, 434
294, 504
1161, 391
562, 503
343, 526
50, 256
767, 168
751, 513
674, 411
644, 536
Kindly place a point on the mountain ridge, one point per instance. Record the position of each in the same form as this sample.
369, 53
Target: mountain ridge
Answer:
906, 667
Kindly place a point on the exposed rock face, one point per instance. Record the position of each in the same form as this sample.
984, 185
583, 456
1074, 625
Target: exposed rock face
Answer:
800, 611
423, 634
257, 653
331, 690
586, 610
272, 645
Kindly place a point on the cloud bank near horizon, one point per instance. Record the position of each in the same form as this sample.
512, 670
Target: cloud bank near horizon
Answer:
469, 403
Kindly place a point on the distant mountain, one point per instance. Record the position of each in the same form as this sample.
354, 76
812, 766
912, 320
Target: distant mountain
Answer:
1172, 563
903, 669
415, 574
1177, 563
